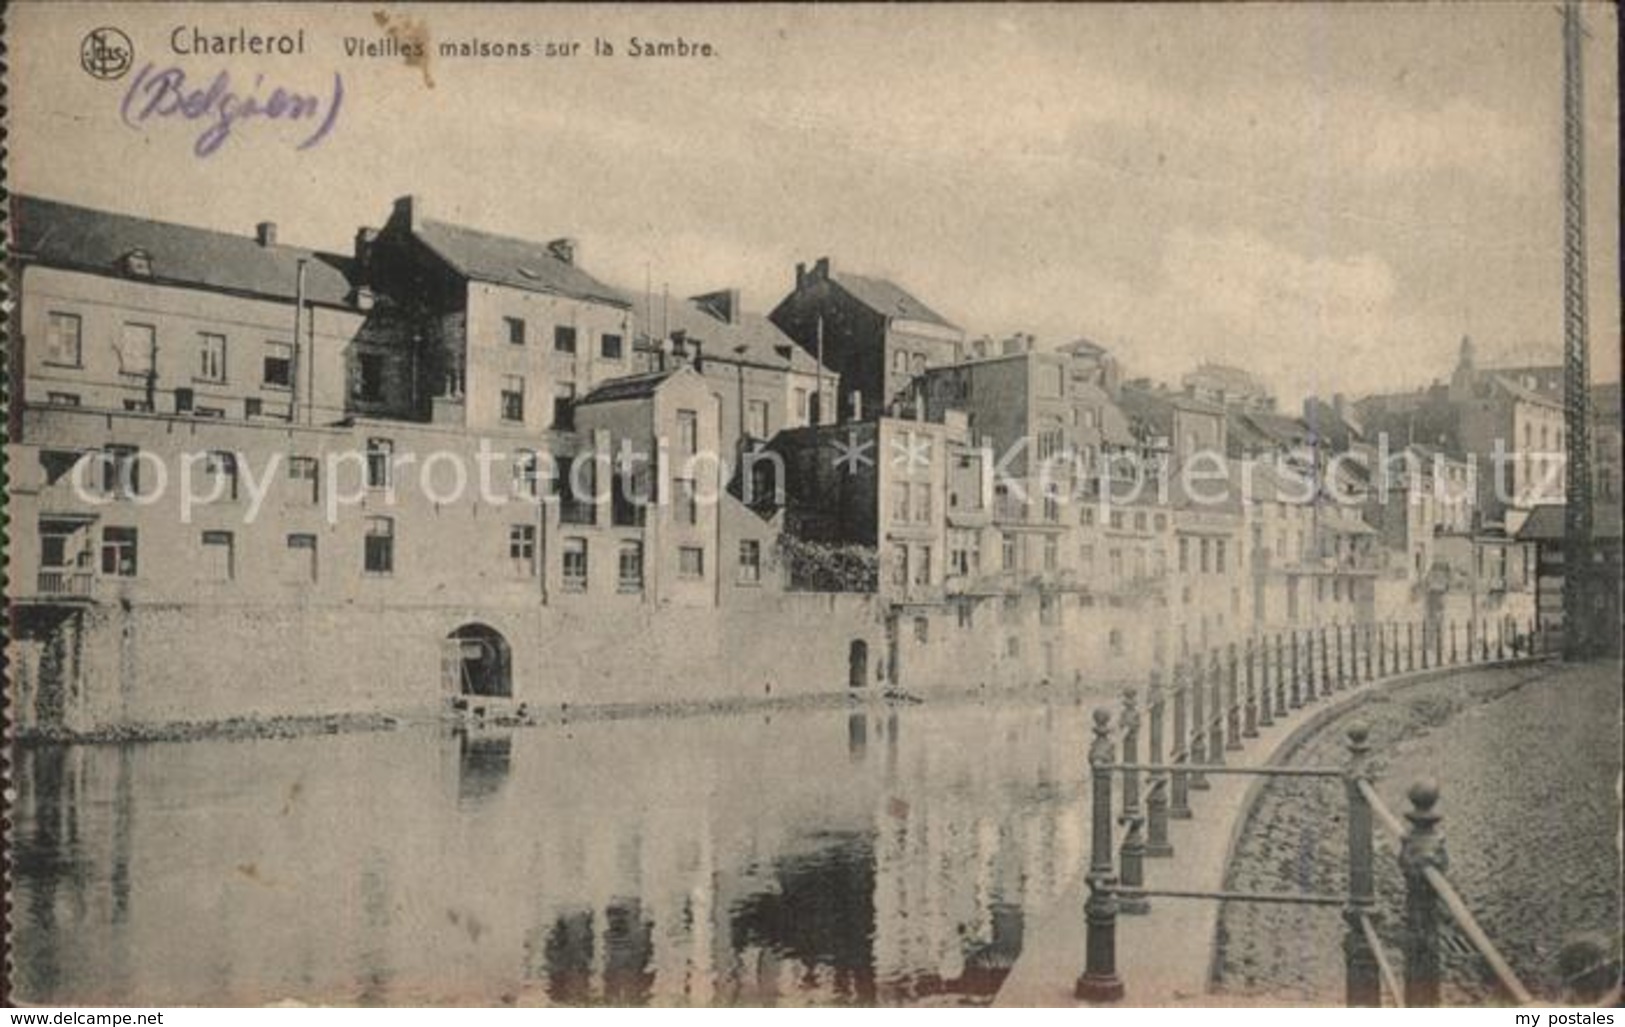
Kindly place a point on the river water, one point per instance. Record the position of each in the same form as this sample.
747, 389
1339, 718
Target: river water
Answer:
868, 855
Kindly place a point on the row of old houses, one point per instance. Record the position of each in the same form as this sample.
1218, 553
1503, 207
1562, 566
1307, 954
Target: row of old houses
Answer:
249, 478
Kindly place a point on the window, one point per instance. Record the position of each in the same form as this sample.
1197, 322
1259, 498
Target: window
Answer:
922, 566
756, 419
64, 340
575, 565
921, 503
1086, 559
688, 432
525, 474
136, 345
922, 630
900, 568
302, 478
278, 365
1218, 556
900, 504
379, 555
1139, 520
629, 577
253, 406
62, 399
1086, 515
1116, 563
515, 327
221, 467
121, 471
218, 560
1052, 510
577, 487
609, 346
1114, 640
1050, 441
300, 565
522, 549
688, 507
691, 562
1051, 552
137, 406
802, 403
1008, 552
564, 398
1049, 380
118, 552
211, 357
899, 362
380, 463
202, 411
1207, 555
1161, 522
564, 338
1184, 555
513, 397
1116, 520
369, 379
750, 562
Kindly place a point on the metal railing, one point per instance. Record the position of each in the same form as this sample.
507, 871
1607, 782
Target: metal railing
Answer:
60, 582
1215, 705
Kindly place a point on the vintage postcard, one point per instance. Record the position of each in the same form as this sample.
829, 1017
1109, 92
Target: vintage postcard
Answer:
830, 505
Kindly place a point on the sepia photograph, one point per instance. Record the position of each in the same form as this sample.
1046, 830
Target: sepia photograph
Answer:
1008, 506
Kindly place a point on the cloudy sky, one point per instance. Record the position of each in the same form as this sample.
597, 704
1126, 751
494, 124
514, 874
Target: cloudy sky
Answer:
1328, 195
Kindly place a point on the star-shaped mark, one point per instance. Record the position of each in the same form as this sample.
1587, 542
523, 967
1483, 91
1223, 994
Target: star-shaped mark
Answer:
853, 455
911, 450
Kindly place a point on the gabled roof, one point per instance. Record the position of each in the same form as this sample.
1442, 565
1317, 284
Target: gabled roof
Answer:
887, 298
65, 235
1519, 391
762, 341
516, 263
633, 386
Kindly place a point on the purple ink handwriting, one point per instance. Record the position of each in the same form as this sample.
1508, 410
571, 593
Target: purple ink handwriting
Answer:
166, 94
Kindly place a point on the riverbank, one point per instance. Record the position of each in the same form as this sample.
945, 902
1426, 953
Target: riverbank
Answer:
1527, 760
478, 712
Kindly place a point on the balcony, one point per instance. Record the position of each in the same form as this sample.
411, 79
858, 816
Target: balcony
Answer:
64, 583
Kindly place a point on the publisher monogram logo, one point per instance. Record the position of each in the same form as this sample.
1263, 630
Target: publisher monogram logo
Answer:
106, 53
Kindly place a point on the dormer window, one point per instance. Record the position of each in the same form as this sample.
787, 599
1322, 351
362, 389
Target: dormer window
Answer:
137, 264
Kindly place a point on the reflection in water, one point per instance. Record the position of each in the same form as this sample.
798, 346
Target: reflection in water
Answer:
818, 856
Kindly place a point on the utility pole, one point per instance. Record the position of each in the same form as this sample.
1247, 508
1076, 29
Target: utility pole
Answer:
1577, 523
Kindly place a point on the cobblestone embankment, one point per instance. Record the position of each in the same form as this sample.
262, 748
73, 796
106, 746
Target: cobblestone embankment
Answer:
1528, 761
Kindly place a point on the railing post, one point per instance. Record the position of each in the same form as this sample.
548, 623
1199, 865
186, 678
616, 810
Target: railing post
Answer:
1156, 802
1484, 641
1410, 645
1232, 701
1216, 744
1132, 859
1370, 654
1501, 637
1455, 651
1422, 848
1438, 643
1099, 981
1364, 985
1250, 720
1325, 664
1422, 630
1342, 667
1179, 804
1382, 650
1297, 672
1308, 667
1532, 636
1280, 675
1200, 735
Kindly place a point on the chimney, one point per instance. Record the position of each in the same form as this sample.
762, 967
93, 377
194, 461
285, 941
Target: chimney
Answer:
698, 359
821, 268
723, 304
564, 249
409, 209
857, 405
801, 275
265, 233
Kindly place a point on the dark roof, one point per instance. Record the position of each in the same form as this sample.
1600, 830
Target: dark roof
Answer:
720, 340
887, 298
64, 235
633, 386
1546, 522
1519, 391
518, 263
